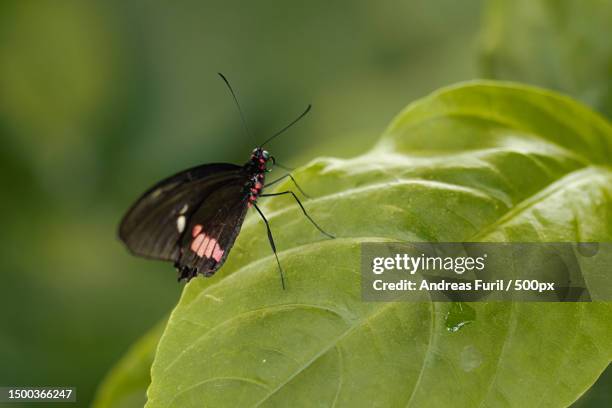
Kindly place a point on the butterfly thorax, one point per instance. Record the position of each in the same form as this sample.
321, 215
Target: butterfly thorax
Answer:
256, 169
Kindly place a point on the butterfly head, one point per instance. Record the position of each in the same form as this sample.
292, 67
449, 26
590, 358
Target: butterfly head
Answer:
261, 156
259, 153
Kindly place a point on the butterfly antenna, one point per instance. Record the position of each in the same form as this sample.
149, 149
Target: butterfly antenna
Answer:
288, 126
246, 129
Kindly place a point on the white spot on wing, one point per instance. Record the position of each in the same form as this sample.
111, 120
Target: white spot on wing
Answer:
184, 209
180, 224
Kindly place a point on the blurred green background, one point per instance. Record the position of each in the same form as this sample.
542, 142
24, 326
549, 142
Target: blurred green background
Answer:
100, 99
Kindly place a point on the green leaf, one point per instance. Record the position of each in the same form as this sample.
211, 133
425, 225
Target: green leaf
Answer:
562, 44
126, 384
481, 161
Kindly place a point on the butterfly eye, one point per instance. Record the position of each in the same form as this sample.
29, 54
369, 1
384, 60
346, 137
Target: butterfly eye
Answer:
265, 154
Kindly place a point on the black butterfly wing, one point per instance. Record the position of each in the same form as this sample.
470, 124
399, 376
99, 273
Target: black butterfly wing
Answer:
212, 230
155, 225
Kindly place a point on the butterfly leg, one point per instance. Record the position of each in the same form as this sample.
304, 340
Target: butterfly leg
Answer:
303, 210
271, 239
292, 179
280, 166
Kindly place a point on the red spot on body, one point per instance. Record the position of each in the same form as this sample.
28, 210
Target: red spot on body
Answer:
258, 185
196, 230
253, 190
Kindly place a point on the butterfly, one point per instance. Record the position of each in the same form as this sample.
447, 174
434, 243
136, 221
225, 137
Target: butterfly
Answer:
194, 217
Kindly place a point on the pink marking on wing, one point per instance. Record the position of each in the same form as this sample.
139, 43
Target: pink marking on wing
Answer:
217, 253
196, 230
202, 248
197, 242
210, 247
